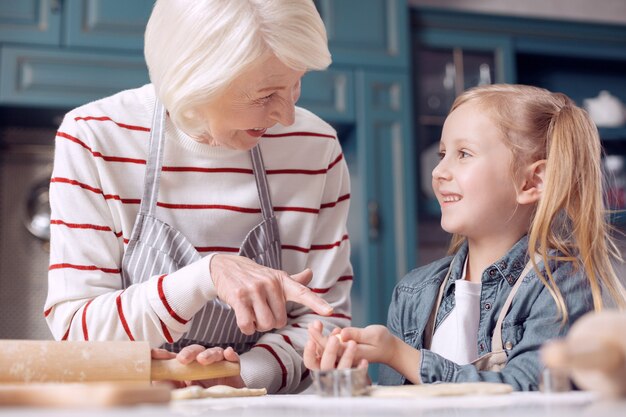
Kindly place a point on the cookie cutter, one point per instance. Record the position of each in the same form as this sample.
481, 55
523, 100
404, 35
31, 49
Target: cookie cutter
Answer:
554, 380
341, 382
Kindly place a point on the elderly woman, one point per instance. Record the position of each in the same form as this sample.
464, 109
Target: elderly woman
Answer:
193, 211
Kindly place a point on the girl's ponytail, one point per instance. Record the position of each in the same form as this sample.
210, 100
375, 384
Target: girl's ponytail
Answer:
572, 217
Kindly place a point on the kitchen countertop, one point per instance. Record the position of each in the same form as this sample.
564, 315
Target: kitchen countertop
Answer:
571, 404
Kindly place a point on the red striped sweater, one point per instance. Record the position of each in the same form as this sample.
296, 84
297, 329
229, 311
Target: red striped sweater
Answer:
208, 194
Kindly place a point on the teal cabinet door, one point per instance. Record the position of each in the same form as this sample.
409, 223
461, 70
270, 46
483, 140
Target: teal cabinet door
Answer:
329, 94
386, 166
30, 21
56, 78
118, 24
459, 41
367, 32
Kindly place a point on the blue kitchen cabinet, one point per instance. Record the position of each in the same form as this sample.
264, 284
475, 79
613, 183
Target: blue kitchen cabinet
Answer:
368, 40
65, 78
367, 32
376, 137
61, 78
576, 58
116, 24
62, 54
30, 21
384, 194
330, 94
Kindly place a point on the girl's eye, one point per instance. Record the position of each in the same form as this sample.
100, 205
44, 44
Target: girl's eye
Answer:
441, 154
464, 154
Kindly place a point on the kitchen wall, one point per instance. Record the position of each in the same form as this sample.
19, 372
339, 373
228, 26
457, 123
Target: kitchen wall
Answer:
609, 11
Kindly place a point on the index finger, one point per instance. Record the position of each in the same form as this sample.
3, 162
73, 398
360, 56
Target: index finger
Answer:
310, 357
315, 334
298, 293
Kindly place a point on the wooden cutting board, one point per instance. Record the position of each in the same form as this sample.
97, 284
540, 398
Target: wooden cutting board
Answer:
99, 394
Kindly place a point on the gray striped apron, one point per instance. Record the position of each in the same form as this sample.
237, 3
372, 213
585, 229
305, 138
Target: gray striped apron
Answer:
156, 248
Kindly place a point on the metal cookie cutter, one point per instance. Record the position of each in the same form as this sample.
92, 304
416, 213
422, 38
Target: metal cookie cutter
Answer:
340, 382
554, 380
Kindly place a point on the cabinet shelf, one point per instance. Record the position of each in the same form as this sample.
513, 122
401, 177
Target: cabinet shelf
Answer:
613, 133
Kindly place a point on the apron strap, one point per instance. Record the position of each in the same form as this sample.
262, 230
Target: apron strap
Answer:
155, 161
261, 183
429, 331
496, 339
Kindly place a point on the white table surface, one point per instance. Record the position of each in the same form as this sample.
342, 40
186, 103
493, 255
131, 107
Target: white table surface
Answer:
572, 404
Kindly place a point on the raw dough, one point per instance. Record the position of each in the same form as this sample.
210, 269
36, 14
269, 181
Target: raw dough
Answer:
440, 390
216, 391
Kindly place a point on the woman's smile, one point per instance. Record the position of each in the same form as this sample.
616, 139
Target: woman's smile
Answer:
257, 133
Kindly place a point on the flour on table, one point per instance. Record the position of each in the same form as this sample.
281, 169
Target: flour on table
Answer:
440, 390
216, 391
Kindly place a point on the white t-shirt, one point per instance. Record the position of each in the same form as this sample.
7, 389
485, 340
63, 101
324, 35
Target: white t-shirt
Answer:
457, 336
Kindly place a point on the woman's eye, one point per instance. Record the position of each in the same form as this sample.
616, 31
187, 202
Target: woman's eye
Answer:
464, 154
265, 99
441, 155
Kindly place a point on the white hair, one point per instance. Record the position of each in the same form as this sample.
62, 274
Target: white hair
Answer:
195, 48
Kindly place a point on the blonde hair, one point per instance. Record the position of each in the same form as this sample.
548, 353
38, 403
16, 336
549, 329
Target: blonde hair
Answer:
195, 48
571, 216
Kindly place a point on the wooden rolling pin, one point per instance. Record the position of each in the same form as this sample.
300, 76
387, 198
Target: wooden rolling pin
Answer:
92, 394
29, 361
593, 352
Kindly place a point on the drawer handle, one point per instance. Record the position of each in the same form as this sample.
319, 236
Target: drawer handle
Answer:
55, 6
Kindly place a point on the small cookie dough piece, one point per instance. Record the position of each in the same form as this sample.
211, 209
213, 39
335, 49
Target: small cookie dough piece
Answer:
187, 393
216, 391
221, 391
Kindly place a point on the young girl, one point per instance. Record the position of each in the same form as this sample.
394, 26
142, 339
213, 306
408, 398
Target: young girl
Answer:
520, 188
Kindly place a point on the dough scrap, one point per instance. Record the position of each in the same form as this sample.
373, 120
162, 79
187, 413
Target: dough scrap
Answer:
216, 391
440, 390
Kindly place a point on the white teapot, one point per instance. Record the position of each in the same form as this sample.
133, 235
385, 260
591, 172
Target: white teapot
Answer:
605, 110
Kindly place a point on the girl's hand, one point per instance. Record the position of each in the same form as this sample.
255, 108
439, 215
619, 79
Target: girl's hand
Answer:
374, 343
352, 347
329, 352
203, 356
377, 344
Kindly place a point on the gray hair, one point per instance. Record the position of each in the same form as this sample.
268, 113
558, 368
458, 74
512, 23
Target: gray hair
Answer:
195, 48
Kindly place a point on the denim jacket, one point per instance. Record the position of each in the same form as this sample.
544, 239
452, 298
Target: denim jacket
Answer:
532, 319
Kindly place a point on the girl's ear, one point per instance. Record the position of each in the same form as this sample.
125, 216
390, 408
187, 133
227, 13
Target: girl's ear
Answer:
532, 187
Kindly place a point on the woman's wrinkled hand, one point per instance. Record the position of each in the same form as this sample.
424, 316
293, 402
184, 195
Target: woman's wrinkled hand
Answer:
258, 295
204, 356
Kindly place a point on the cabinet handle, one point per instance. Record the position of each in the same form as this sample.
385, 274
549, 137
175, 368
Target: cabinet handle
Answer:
55, 6
373, 219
